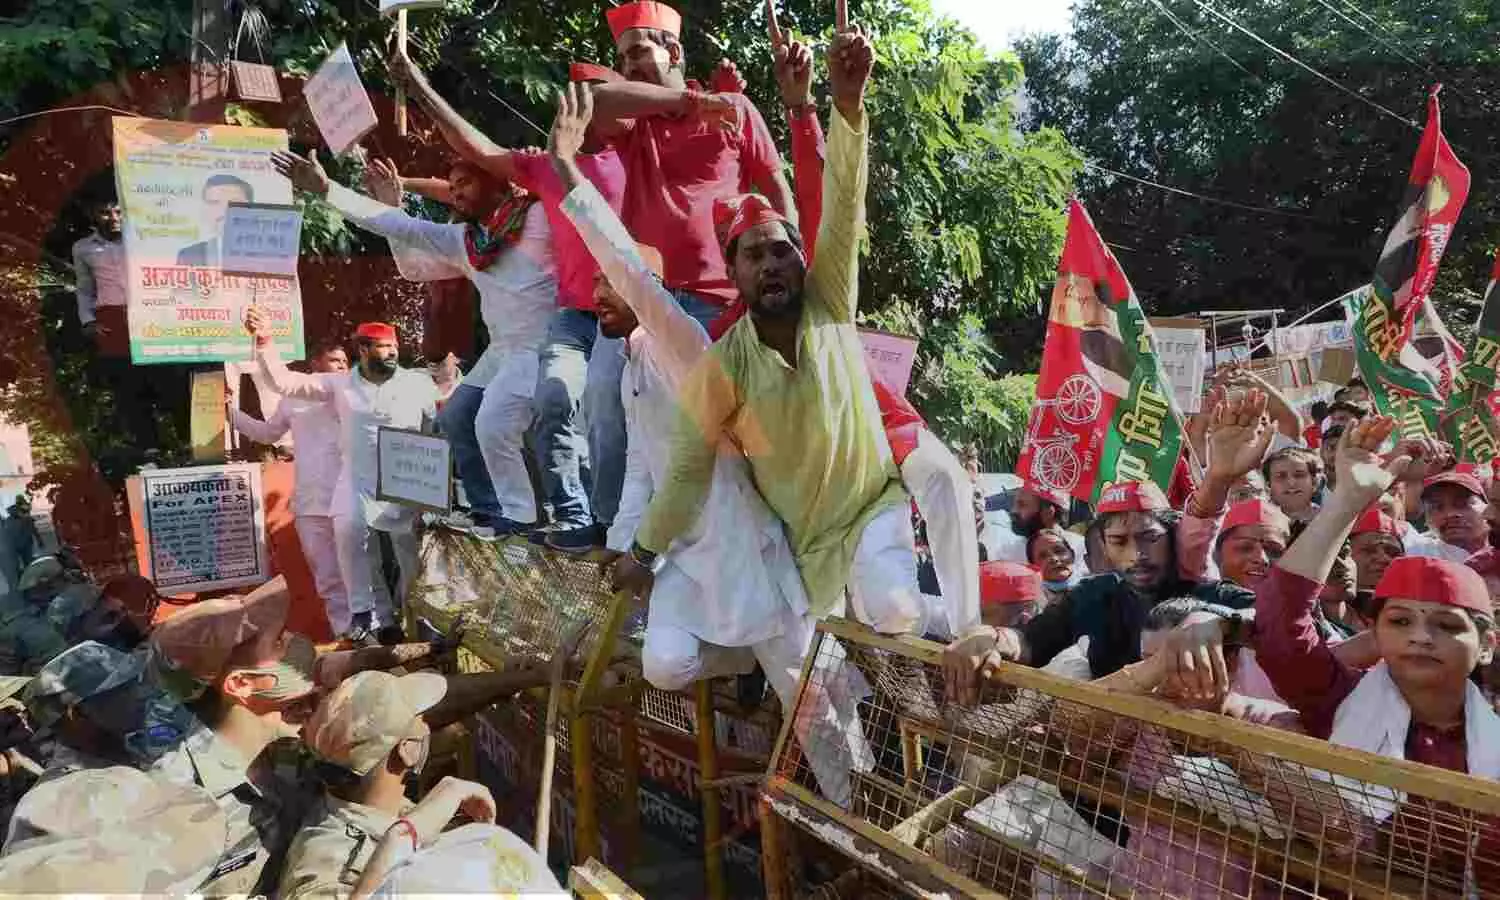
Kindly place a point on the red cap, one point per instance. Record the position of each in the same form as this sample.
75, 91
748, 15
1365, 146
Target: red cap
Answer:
1056, 497
644, 14
1375, 521
1132, 496
733, 216
1431, 580
1466, 480
1255, 512
376, 331
587, 71
1006, 583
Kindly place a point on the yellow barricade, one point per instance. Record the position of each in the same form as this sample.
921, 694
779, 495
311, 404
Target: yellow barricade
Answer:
1055, 788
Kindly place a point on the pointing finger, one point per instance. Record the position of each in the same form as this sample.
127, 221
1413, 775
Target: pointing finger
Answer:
777, 39
841, 16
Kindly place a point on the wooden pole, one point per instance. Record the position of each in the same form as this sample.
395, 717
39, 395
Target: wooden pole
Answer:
401, 89
708, 767
549, 755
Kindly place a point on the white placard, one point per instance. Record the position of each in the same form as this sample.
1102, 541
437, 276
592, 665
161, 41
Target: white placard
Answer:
338, 101
889, 357
1180, 351
390, 7
413, 469
262, 239
205, 528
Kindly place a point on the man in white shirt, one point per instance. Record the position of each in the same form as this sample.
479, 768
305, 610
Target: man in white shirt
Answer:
1454, 503
1036, 507
315, 436
509, 260
376, 393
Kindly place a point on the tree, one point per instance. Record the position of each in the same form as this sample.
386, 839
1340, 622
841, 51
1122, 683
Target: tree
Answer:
1166, 91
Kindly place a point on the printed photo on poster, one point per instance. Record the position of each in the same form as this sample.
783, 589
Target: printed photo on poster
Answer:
176, 182
205, 528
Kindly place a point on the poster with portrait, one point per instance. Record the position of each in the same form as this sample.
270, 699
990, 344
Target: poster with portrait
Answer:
176, 181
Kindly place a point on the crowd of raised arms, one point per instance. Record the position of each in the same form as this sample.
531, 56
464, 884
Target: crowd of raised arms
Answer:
684, 357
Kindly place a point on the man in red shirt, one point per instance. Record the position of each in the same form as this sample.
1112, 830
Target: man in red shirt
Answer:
579, 368
682, 150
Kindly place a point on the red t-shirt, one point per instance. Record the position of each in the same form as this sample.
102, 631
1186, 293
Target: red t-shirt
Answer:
575, 264
1312, 435
675, 167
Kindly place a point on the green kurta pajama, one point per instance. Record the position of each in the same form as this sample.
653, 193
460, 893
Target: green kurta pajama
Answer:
812, 433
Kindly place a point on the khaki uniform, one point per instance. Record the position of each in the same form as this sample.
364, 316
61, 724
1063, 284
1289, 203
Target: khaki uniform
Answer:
331, 852
262, 812
27, 639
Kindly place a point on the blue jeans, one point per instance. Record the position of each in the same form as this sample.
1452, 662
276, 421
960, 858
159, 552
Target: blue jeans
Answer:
456, 419
580, 369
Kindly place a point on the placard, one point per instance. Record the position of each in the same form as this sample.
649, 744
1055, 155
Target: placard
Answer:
413, 469
391, 7
176, 182
889, 357
256, 81
262, 239
206, 420
204, 528
338, 101
1181, 354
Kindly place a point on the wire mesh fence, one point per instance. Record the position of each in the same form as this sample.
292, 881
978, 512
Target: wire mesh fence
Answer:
1051, 788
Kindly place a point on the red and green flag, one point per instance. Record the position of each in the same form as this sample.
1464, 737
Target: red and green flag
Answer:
1470, 417
1411, 387
1104, 409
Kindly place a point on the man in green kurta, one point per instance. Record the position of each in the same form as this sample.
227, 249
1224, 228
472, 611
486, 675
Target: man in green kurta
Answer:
788, 385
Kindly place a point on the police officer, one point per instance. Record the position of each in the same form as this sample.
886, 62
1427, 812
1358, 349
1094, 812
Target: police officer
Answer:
370, 736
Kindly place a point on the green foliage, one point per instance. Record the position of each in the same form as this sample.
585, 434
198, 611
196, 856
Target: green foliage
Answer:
1214, 112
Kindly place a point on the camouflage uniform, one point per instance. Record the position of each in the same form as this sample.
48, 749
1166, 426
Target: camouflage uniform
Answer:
27, 639
356, 727
112, 830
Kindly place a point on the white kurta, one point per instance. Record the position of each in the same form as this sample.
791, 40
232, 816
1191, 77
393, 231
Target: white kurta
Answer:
729, 578
517, 294
316, 435
402, 401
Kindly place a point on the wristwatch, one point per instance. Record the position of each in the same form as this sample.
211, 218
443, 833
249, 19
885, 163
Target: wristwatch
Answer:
642, 557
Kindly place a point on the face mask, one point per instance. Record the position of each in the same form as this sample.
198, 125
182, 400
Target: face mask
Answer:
415, 772
293, 672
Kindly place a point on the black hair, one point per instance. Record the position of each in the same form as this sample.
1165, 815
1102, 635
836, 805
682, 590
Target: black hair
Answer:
1173, 612
1356, 381
1313, 461
98, 202
1166, 518
223, 180
1054, 531
1332, 435
1359, 410
793, 234
1320, 410
326, 346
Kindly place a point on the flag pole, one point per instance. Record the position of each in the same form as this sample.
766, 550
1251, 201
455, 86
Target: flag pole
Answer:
401, 88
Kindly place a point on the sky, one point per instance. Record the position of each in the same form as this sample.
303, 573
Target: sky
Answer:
997, 21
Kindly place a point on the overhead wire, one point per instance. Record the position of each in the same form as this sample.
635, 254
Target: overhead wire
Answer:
1210, 9
1202, 197
1197, 36
1394, 48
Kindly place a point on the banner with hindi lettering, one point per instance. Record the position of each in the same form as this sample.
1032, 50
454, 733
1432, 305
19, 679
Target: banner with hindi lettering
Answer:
176, 181
1104, 410
1470, 419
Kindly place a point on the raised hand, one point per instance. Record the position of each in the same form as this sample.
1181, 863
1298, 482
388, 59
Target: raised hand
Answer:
383, 182
304, 174
255, 323
726, 78
1363, 474
1429, 456
851, 58
792, 64
575, 110
1238, 435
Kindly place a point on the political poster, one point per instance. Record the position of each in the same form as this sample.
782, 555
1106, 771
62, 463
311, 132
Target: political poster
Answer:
338, 101
204, 528
889, 357
206, 420
413, 468
1181, 351
176, 182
